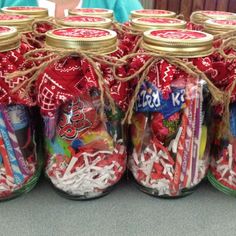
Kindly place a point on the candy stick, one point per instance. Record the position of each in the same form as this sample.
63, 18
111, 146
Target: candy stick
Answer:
179, 155
187, 156
6, 162
13, 139
18, 176
197, 135
190, 133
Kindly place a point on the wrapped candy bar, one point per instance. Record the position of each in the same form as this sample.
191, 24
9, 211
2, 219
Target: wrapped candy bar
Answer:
82, 106
198, 18
19, 165
169, 111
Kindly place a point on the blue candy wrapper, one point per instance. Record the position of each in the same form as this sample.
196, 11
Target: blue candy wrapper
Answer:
150, 99
233, 119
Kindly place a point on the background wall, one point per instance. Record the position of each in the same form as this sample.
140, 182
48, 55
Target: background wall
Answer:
187, 6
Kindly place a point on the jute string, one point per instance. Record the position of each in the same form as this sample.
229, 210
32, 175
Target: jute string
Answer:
201, 17
49, 21
188, 67
229, 43
126, 29
180, 17
58, 54
225, 129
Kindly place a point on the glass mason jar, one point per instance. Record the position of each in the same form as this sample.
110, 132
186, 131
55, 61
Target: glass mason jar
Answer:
152, 13
133, 30
86, 154
85, 21
169, 126
198, 18
106, 13
19, 165
21, 22
148, 23
36, 31
34, 12
222, 172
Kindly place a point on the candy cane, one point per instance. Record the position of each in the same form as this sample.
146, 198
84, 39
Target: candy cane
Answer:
6, 162
13, 139
178, 163
18, 176
190, 134
197, 135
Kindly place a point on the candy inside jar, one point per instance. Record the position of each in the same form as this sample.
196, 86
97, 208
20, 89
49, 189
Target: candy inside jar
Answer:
86, 152
169, 125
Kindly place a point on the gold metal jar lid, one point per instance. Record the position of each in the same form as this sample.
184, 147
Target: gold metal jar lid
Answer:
35, 12
87, 39
179, 43
152, 13
92, 12
219, 26
199, 17
9, 38
85, 21
21, 22
148, 23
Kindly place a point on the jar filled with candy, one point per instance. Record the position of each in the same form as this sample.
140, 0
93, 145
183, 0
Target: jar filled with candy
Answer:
106, 13
21, 22
148, 23
85, 21
37, 28
222, 172
86, 155
219, 26
169, 125
19, 164
152, 13
34, 12
198, 18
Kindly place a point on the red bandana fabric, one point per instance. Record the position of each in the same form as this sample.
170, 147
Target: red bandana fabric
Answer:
11, 61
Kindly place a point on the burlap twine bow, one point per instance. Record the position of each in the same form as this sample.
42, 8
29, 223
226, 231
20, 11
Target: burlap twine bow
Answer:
53, 55
118, 27
153, 58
